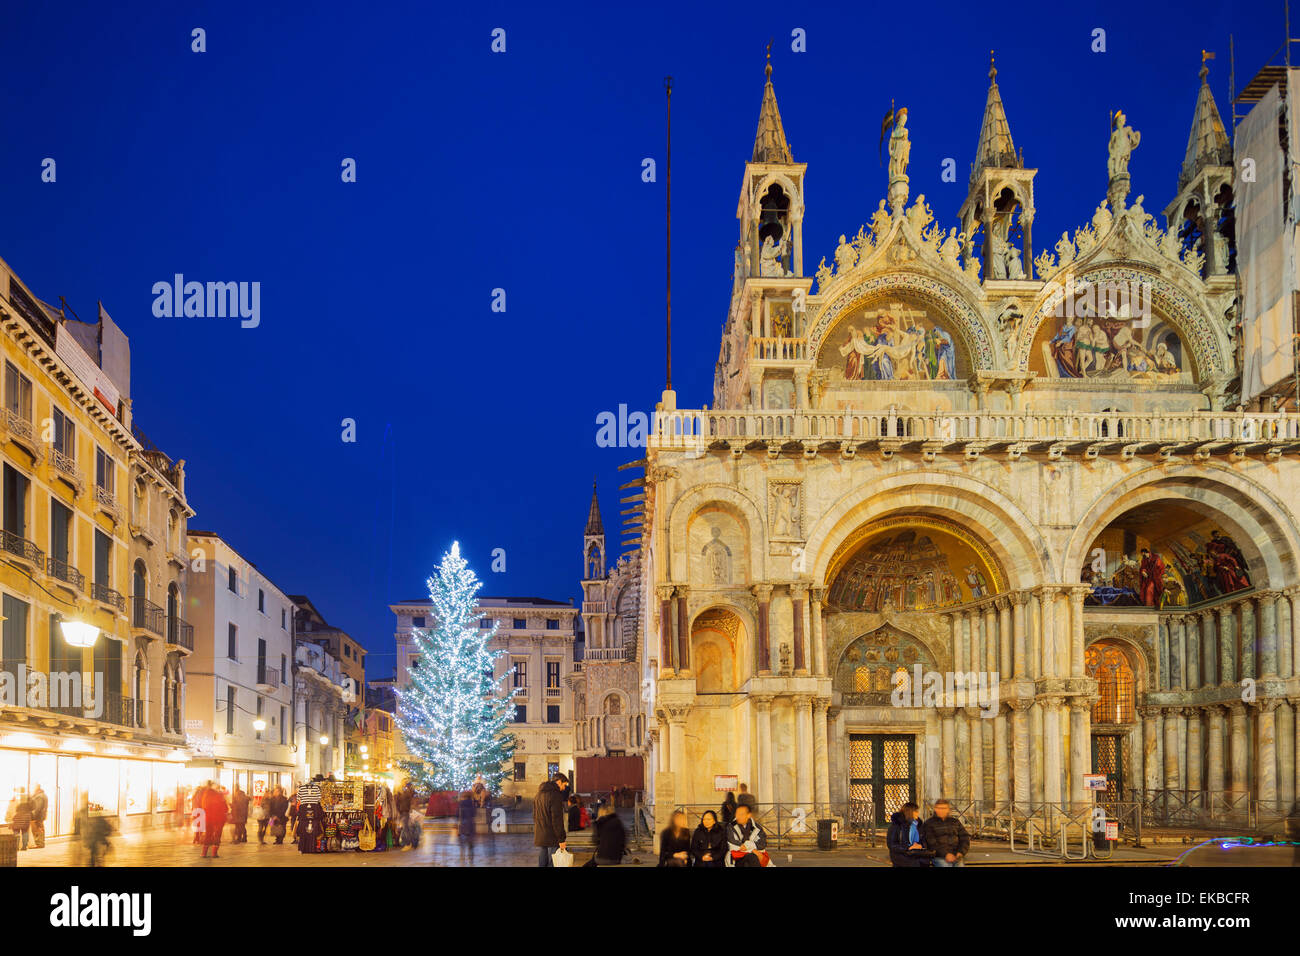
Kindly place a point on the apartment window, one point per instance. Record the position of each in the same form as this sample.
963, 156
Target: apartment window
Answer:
15, 504
521, 771
18, 392
60, 528
261, 600
259, 714
282, 725
13, 634
103, 558
261, 659
521, 674
230, 709
521, 714
553, 675
284, 667
65, 435
520, 624
484, 623
232, 642
552, 713
417, 621
233, 580
103, 471
383, 724
283, 623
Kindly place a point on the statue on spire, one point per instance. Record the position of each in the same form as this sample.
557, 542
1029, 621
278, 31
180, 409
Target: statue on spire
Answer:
1123, 140
900, 150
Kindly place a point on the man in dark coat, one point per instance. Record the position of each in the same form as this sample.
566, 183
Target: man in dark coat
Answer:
277, 816
239, 815
40, 806
548, 818
904, 838
944, 834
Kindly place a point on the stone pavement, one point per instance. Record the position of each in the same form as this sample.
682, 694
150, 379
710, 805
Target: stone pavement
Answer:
440, 847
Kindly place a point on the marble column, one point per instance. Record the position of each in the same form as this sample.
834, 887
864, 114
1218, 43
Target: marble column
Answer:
975, 736
1053, 758
1268, 635
1215, 771
821, 765
1004, 638
1020, 751
1151, 776
764, 594
1195, 779
683, 635
963, 756
1284, 637
965, 639
1249, 629
1037, 770
1266, 758
990, 663
817, 597
1178, 631
1034, 636
1237, 752
665, 593
1171, 749
1018, 602
1286, 754
1080, 751
1227, 646
803, 784
766, 773
1001, 759
798, 592
677, 748
949, 752
1075, 597
1191, 627
1164, 657
1209, 648
1294, 595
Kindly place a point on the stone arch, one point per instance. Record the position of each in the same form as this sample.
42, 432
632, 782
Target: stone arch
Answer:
980, 508
776, 178
1206, 340
614, 703
847, 672
742, 507
728, 630
966, 319
1248, 512
1120, 701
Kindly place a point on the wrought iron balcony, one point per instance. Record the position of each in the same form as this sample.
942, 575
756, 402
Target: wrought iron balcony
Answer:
180, 633
22, 548
147, 615
65, 464
106, 595
105, 499
119, 710
268, 677
19, 425
65, 572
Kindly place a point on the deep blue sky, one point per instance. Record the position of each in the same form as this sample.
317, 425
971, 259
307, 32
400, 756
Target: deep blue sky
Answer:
521, 171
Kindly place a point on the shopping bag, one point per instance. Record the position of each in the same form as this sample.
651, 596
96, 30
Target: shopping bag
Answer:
562, 857
367, 838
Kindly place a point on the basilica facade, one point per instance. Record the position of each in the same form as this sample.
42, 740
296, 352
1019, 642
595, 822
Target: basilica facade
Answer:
974, 518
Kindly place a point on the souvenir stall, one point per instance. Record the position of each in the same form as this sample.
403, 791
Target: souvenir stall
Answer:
346, 818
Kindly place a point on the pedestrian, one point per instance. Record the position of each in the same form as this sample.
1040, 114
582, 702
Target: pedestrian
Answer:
944, 835
200, 793
19, 817
747, 798
40, 806
728, 808
575, 813
548, 819
277, 812
675, 842
611, 838
239, 815
708, 843
403, 799
466, 824
746, 841
94, 832
215, 813
904, 837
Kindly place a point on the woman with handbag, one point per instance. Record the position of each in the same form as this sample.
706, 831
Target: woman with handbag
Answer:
675, 842
709, 842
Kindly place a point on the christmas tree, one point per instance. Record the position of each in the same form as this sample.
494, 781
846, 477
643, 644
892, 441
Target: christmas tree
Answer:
453, 714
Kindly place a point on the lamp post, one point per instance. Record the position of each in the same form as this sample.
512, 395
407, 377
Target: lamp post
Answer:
79, 633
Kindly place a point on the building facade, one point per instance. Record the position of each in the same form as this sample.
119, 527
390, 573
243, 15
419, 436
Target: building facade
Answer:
351, 657
608, 703
954, 456
239, 711
103, 721
537, 637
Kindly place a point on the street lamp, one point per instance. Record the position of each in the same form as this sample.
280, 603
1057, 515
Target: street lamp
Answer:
259, 725
79, 633
324, 740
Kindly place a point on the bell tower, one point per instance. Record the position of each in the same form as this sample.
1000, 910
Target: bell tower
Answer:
593, 546
1203, 208
999, 205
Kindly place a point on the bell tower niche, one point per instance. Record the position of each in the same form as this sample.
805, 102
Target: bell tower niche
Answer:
593, 544
999, 206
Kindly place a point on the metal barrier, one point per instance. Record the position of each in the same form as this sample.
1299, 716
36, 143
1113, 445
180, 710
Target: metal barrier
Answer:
785, 824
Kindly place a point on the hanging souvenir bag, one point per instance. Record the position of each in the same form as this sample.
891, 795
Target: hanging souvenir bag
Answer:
366, 840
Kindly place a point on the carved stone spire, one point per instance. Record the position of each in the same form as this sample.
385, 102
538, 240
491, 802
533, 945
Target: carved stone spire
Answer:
769, 143
594, 525
995, 149
1207, 144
